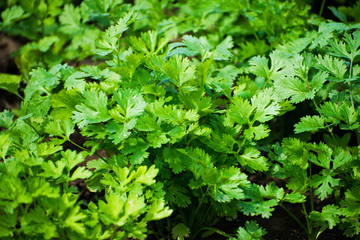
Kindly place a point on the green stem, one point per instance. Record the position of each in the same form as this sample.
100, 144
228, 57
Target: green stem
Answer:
326, 125
311, 190
316, 106
199, 205
295, 218
267, 81
310, 231
115, 232
322, 8
357, 136
27, 122
215, 230
17, 94
185, 101
244, 140
352, 100
350, 89
82, 148
255, 34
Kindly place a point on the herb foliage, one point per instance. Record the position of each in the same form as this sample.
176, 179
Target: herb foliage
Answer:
177, 111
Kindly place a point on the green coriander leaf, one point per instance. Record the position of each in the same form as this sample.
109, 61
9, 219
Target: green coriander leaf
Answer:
339, 14
256, 205
340, 49
60, 128
130, 104
264, 105
271, 191
110, 210
7, 224
294, 88
10, 83
42, 81
294, 197
350, 116
45, 149
71, 158
5, 144
228, 183
81, 173
179, 70
45, 43
92, 110
309, 123
190, 46
257, 132
6, 118
178, 195
240, 110
341, 158
334, 66
279, 65
70, 20
221, 51
73, 220
109, 39
177, 159
52, 170
329, 216
76, 81
331, 110
180, 231
120, 132
324, 183
11, 15
64, 102
352, 201
252, 158
251, 231
157, 211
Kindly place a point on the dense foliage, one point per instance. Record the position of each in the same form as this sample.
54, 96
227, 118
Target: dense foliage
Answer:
153, 117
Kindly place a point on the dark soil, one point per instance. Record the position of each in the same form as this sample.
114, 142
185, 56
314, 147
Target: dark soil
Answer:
280, 226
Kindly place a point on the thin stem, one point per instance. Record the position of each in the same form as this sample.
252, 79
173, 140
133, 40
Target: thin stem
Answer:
244, 140
316, 106
77, 145
310, 231
352, 100
200, 204
255, 34
357, 136
322, 8
87, 150
295, 218
311, 190
215, 230
27, 122
185, 101
350, 90
115, 232
17, 94
267, 81
326, 125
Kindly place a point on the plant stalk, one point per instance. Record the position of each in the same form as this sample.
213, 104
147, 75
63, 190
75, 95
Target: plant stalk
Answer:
350, 89
82, 148
322, 7
295, 218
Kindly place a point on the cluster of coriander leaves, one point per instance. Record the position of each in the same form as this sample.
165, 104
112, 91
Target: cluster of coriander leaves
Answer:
143, 109
172, 111
322, 157
57, 31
